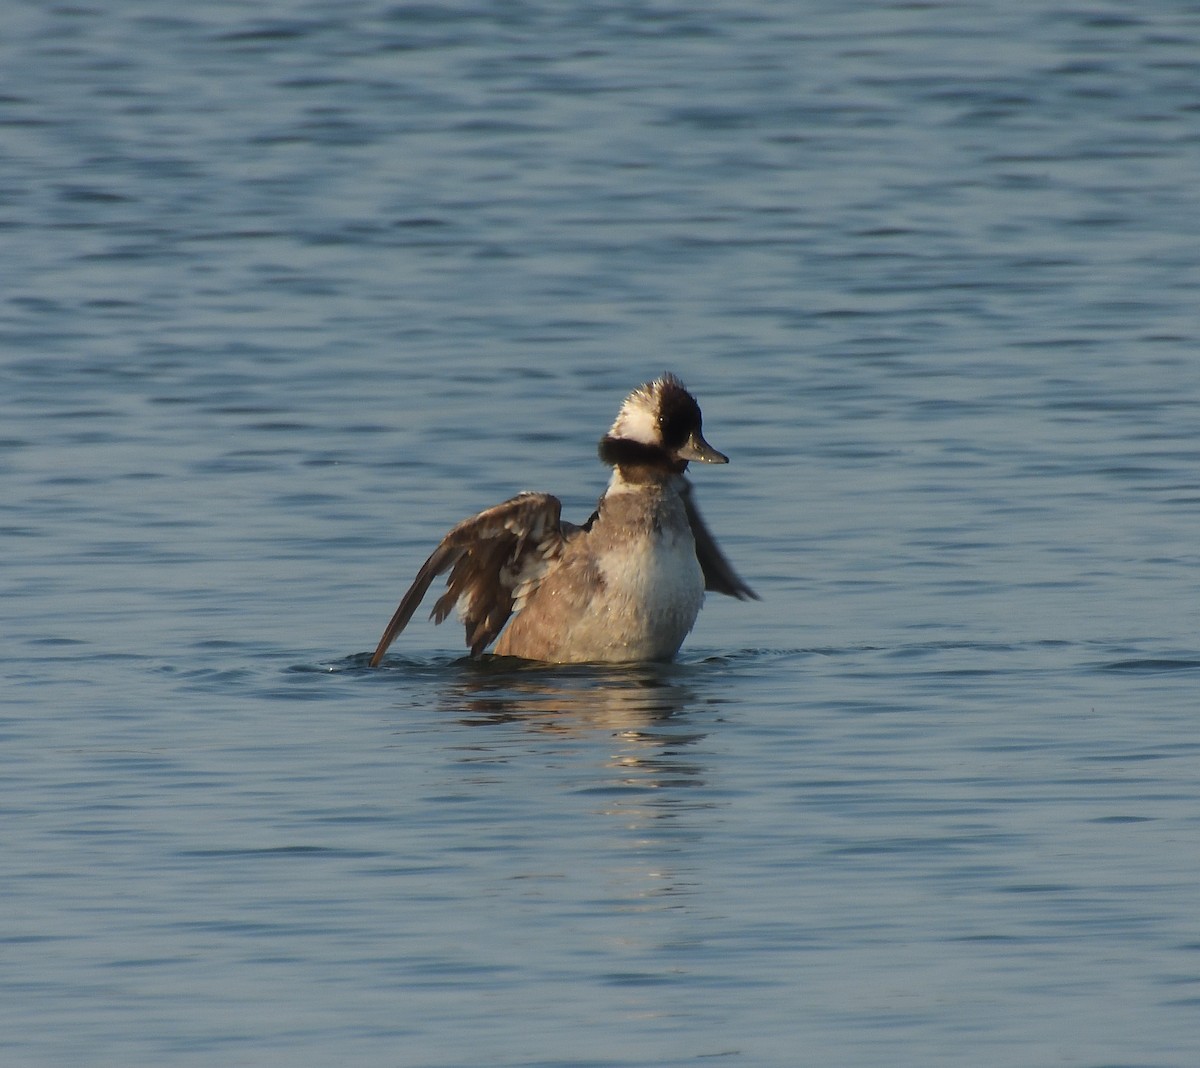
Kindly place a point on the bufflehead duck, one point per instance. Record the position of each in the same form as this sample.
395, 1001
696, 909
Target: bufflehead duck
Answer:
625, 586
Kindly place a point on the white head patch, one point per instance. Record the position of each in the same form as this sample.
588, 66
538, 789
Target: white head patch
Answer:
638, 418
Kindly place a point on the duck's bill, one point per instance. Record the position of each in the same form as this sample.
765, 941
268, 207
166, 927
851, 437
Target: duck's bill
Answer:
696, 448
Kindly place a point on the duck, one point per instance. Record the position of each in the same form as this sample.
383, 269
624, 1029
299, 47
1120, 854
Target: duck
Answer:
625, 586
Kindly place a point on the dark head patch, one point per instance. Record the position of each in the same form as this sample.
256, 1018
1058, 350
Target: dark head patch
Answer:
678, 413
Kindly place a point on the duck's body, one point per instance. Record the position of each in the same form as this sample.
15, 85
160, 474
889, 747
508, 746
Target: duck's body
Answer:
625, 586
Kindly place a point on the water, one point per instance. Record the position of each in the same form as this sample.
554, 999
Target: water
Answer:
290, 288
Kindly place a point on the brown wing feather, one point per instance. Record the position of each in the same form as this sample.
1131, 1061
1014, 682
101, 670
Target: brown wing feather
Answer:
719, 575
487, 556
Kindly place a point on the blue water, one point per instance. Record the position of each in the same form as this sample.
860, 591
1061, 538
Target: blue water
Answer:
289, 288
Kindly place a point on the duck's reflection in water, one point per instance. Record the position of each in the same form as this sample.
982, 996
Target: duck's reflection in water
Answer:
587, 698
623, 743
643, 705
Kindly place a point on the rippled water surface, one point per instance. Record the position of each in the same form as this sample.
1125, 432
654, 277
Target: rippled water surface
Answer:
291, 287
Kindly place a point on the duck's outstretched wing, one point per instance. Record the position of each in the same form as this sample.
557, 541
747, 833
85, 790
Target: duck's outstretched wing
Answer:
719, 575
495, 559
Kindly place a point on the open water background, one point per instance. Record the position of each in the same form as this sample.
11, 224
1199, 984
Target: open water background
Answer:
291, 287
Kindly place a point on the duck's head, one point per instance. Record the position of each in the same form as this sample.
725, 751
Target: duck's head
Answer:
659, 424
